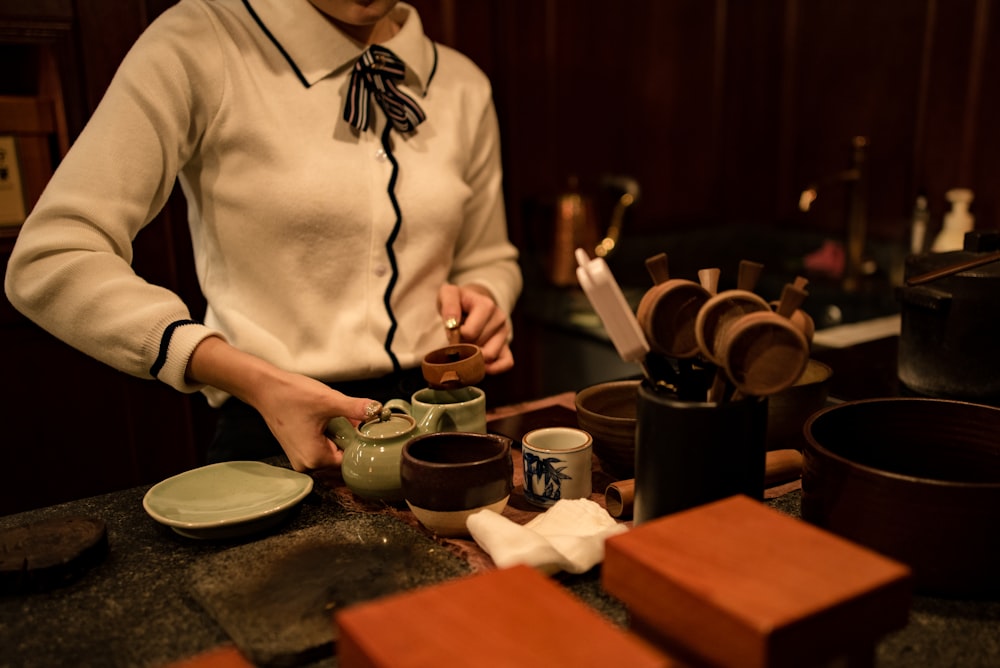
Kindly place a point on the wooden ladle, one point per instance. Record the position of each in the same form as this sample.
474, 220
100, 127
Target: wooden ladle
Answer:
725, 308
454, 366
668, 310
764, 352
800, 318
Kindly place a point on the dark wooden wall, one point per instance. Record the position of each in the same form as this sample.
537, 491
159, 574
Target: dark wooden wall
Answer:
725, 110
721, 110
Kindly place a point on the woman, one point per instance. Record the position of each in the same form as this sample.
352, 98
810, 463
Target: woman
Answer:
333, 243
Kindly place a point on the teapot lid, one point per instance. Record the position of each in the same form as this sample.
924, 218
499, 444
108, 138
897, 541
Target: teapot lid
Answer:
979, 245
387, 425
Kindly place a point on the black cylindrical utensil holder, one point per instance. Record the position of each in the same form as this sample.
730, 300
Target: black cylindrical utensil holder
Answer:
689, 453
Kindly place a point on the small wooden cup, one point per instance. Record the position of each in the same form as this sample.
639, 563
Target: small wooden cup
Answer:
455, 365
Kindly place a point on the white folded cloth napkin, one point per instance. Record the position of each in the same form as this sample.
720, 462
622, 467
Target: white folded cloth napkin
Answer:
569, 536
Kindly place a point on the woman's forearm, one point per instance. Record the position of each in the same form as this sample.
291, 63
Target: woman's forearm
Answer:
217, 363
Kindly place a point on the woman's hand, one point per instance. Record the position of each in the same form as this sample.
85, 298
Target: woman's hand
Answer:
481, 322
296, 408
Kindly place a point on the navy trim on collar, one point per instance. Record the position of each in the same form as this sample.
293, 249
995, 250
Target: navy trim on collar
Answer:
434, 68
281, 49
295, 68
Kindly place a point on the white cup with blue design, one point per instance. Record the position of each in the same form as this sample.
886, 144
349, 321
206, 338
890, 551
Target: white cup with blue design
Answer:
557, 464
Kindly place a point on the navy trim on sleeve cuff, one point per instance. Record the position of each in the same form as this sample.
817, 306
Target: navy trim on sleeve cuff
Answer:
161, 359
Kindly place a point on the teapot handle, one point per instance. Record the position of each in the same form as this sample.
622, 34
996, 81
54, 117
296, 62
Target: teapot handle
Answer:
925, 297
430, 423
399, 406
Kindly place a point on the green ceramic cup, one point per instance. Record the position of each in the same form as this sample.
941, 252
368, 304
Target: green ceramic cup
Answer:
461, 409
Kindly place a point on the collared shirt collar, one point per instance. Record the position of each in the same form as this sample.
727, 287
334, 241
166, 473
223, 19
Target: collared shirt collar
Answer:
315, 49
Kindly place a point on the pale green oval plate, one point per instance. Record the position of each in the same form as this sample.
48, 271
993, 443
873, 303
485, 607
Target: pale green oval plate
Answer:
227, 499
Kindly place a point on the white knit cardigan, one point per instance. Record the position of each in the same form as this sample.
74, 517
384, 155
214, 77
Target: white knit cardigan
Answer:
299, 248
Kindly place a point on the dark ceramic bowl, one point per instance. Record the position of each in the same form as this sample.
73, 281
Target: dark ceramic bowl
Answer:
915, 479
448, 476
608, 412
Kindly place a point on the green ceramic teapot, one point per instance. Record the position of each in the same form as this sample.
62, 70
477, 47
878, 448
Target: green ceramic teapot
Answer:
372, 452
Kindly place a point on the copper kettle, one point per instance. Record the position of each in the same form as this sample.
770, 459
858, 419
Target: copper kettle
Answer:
576, 226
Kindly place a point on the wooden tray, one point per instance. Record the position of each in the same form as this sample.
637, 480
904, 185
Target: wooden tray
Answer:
511, 617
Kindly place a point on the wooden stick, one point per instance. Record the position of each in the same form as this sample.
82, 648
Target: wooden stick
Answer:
658, 268
953, 269
791, 299
717, 392
749, 274
709, 279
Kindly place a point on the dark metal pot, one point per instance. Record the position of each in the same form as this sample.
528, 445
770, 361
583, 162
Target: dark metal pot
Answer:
948, 344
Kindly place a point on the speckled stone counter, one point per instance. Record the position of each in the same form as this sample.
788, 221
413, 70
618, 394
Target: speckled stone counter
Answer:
138, 607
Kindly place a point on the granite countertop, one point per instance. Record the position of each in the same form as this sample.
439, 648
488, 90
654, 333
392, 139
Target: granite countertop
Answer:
158, 597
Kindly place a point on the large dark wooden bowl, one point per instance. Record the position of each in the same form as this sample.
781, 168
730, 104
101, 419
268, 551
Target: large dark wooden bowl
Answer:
607, 411
915, 479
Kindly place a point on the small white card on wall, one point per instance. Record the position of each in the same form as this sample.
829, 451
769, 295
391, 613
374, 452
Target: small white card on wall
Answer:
12, 209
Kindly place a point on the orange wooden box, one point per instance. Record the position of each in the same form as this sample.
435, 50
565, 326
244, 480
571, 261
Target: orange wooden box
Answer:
223, 656
514, 617
735, 583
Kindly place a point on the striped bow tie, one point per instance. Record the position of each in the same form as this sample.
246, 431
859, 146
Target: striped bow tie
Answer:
375, 75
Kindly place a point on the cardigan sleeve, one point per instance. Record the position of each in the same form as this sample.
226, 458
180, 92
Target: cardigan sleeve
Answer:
70, 270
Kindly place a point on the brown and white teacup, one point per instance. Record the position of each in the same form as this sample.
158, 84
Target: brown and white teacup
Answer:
448, 476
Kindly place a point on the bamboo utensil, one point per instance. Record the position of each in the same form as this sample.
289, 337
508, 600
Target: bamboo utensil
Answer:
619, 498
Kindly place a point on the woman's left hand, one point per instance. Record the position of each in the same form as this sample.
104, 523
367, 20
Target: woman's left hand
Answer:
481, 322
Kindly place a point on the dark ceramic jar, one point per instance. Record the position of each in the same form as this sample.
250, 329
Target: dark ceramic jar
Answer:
950, 326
